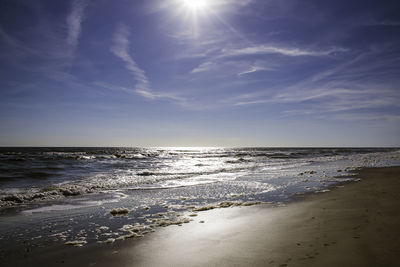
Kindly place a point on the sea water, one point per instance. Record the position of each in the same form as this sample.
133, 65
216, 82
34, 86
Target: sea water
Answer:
83, 195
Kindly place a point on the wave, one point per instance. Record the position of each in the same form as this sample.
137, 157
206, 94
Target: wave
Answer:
107, 182
65, 172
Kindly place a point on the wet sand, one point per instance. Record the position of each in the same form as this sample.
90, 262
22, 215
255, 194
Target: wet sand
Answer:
354, 225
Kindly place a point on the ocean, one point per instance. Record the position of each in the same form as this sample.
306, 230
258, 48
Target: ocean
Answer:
78, 196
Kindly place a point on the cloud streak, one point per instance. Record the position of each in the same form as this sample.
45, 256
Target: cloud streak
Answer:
331, 103
253, 69
218, 58
152, 95
354, 87
120, 48
328, 99
74, 21
50, 53
269, 49
144, 93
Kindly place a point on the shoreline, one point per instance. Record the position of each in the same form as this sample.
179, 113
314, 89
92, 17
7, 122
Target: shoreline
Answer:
354, 225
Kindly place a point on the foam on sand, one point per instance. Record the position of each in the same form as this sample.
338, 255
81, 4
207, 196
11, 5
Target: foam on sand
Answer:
119, 211
102, 229
227, 204
109, 241
76, 243
291, 235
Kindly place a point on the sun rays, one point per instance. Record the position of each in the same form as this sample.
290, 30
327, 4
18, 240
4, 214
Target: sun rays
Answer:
195, 5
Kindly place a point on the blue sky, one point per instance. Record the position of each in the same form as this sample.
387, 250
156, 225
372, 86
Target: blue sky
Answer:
199, 73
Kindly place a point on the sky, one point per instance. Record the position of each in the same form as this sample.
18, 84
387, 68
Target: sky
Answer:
200, 73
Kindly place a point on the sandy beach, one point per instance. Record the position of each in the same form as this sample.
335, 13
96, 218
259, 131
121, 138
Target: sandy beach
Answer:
355, 224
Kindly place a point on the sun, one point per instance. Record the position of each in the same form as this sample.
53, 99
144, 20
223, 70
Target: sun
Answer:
195, 4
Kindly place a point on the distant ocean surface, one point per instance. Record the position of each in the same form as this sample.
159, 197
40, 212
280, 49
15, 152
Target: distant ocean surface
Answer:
74, 193
32, 174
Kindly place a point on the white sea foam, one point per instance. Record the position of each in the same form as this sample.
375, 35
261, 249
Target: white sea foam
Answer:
72, 173
52, 208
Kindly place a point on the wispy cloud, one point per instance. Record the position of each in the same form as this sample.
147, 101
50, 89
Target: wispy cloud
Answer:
49, 54
120, 48
205, 66
74, 21
253, 69
238, 67
331, 96
332, 103
286, 51
152, 95
237, 56
113, 87
353, 87
145, 93
14, 44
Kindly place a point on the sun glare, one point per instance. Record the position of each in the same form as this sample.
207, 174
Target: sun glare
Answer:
195, 4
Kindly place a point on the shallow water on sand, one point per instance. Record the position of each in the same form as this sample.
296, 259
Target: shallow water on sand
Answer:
84, 195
